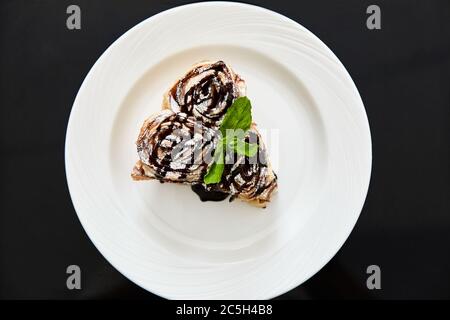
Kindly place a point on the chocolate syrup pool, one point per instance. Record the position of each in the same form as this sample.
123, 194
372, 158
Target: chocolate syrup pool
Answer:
207, 195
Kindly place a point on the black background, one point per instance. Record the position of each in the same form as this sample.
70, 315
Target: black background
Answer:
402, 72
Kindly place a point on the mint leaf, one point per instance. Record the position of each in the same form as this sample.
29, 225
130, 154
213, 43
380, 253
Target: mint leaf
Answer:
214, 174
238, 116
236, 122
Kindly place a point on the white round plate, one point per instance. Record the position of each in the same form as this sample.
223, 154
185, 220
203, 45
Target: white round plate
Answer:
161, 236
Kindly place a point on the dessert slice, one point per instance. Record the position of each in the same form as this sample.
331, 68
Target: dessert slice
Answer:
180, 144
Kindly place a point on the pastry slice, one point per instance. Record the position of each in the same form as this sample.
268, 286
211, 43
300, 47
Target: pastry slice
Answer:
177, 144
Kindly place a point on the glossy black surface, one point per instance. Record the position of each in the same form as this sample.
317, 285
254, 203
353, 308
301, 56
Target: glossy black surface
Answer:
402, 73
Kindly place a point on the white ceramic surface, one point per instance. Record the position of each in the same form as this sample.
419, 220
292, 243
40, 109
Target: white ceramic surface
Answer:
160, 235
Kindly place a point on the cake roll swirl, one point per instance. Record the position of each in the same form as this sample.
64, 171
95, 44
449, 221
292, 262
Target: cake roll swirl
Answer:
205, 92
173, 147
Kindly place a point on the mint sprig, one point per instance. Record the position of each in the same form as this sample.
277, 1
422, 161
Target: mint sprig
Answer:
236, 122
